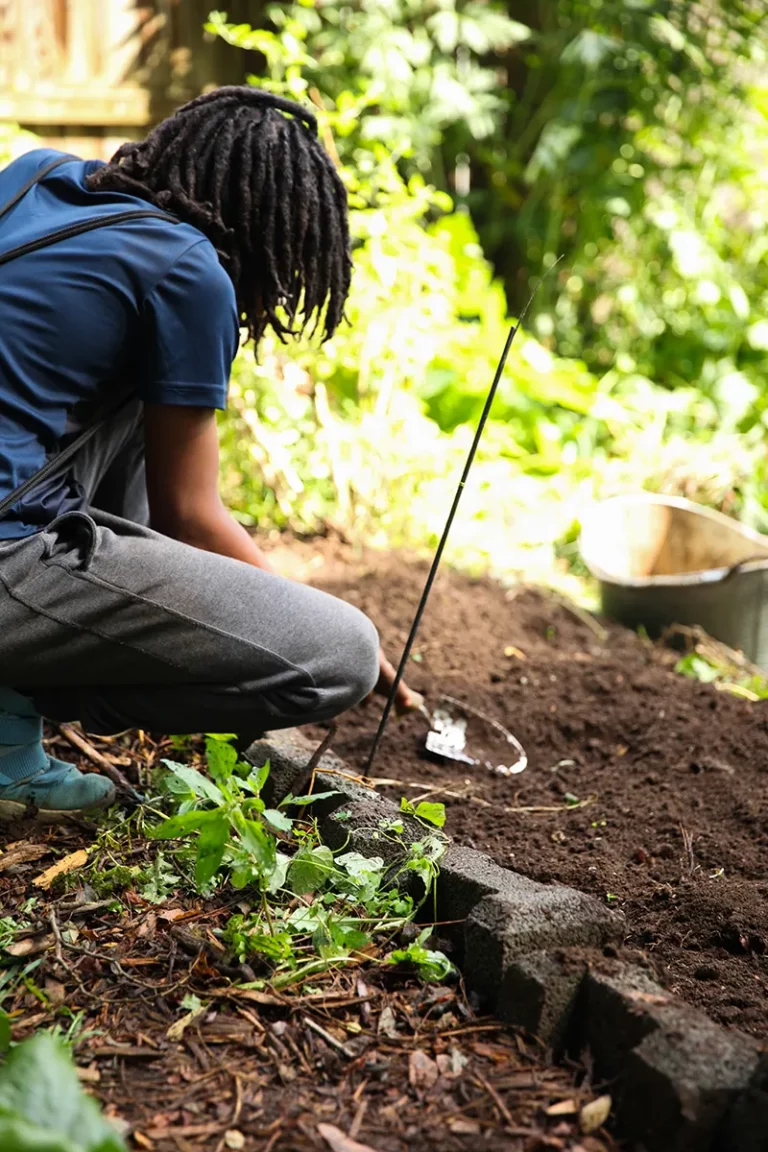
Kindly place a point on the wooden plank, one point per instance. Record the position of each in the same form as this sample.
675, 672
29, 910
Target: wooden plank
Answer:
85, 106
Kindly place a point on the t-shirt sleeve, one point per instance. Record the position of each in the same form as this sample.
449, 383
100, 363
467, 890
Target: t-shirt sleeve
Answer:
190, 333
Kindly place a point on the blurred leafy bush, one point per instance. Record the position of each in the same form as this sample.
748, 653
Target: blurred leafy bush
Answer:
369, 432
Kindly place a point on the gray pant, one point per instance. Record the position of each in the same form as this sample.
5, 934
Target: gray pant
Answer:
104, 621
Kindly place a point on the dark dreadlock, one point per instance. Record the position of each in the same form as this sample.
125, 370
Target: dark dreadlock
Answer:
260, 186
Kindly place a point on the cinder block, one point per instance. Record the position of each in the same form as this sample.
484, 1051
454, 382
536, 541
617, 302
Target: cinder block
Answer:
528, 917
746, 1128
289, 753
467, 877
677, 1074
538, 992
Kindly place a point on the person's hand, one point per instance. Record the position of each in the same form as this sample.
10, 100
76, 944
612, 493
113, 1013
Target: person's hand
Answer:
406, 699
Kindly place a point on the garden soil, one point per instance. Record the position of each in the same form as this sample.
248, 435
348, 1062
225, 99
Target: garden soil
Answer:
644, 788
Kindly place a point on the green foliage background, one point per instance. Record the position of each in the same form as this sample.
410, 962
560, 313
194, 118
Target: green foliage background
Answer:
630, 137
479, 140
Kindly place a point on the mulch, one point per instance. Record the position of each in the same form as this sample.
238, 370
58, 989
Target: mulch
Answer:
365, 1059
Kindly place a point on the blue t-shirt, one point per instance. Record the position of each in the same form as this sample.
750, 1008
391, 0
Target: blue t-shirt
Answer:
144, 303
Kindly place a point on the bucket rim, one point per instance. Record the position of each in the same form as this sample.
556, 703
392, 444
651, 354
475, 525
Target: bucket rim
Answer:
590, 520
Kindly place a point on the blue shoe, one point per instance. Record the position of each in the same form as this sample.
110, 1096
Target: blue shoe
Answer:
31, 782
55, 792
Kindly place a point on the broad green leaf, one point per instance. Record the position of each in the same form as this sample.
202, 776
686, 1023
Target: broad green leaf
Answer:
259, 776
5, 1032
221, 758
277, 820
257, 842
360, 866
347, 936
310, 869
210, 849
279, 873
200, 785
20, 1135
180, 825
40, 1084
433, 813
253, 804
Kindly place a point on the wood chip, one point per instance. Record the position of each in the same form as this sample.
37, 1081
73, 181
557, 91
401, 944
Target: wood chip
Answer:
178, 1028
563, 1108
595, 1114
88, 1075
234, 1139
387, 1026
62, 867
30, 946
423, 1072
338, 1142
21, 853
465, 1127
55, 991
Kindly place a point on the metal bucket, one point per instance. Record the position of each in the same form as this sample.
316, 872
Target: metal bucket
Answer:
661, 560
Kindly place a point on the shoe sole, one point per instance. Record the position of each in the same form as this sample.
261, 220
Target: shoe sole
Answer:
13, 810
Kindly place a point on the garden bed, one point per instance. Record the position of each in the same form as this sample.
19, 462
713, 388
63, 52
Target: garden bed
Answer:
643, 788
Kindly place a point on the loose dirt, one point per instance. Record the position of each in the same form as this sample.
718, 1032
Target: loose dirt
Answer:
644, 788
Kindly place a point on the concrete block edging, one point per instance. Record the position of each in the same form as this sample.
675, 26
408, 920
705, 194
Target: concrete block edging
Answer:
533, 954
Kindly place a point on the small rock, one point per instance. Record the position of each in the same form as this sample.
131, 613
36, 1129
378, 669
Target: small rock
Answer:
423, 1072
234, 1139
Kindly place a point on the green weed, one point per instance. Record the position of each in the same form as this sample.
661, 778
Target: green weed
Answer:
315, 908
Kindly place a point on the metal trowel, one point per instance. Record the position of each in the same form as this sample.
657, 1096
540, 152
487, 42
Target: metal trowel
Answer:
447, 738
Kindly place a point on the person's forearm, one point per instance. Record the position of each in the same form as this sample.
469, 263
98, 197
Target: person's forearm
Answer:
219, 532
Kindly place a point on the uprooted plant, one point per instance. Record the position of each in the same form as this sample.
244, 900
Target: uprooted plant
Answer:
304, 908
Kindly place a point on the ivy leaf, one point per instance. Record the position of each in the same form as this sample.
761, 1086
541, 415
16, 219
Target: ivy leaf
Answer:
279, 873
277, 820
432, 813
210, 849
310, 869
359, 866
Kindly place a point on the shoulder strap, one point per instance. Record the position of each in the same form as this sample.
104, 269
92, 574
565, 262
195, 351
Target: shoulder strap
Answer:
57, 462
84, 226
34, 179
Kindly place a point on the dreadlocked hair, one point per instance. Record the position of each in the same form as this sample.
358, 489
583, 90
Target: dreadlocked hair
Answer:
247, 169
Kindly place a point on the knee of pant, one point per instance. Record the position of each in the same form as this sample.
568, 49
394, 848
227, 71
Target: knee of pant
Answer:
356, 659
